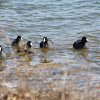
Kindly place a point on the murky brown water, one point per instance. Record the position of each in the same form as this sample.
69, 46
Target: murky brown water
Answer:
63, 22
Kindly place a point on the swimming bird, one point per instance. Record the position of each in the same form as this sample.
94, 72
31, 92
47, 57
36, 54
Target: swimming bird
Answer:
29, 47
18, 42
81, 44
46, 43
2, 53
26, 48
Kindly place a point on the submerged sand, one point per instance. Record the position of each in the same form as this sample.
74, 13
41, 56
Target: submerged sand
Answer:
46, 81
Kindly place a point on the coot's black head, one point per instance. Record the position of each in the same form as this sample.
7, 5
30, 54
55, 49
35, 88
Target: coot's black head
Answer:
45, 39
0, 48
19, 38
29, 44
84, 40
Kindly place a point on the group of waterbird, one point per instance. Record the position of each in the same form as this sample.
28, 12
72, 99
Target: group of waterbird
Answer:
46, 43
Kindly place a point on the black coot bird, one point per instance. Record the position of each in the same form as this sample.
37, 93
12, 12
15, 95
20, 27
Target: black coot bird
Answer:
26, 48
81, 44
2, 53
29, 47
18, 42
46, 43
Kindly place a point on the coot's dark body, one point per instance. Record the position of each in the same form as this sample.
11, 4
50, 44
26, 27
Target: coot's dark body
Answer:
2, 53
47, 43
18, 42
26, 48
81, 44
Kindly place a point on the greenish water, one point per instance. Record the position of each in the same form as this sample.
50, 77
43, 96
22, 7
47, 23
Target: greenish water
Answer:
63, 22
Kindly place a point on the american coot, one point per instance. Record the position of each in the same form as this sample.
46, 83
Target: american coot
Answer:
26, 48
18, 42
46, 43
81, 44
2, 53
29, 47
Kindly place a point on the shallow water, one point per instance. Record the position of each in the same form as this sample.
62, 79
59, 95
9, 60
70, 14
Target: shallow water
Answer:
63, 22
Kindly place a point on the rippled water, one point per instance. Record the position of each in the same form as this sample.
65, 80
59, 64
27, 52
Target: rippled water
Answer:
63, 21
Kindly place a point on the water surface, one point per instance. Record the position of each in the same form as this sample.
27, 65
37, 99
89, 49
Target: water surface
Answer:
63, 22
